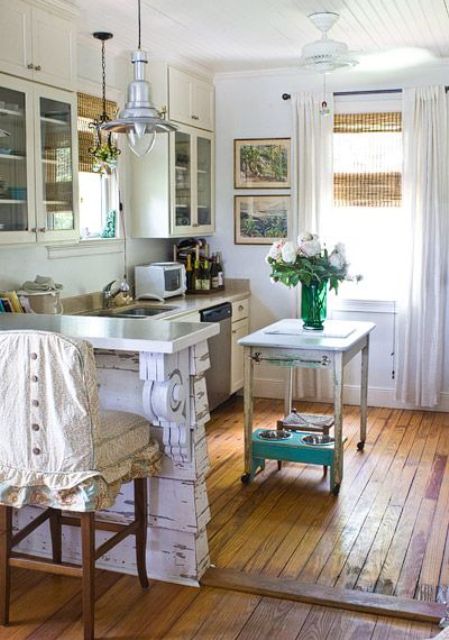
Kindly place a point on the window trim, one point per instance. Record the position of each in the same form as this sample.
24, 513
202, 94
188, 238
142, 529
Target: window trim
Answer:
88, 247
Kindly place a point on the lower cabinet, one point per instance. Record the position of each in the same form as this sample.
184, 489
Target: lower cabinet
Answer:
240, 329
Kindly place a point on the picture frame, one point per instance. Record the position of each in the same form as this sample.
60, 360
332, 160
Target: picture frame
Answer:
262, 163
261, 219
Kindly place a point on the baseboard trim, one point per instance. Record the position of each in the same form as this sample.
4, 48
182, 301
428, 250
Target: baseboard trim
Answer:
377, 396
315, 594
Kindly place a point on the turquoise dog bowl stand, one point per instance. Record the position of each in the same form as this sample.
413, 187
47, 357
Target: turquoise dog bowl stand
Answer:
292, 449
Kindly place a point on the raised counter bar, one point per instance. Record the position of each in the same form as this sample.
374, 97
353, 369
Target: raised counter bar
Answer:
156, 369
120, 334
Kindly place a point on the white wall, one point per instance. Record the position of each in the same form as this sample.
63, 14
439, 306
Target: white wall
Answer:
250, 106
89, 272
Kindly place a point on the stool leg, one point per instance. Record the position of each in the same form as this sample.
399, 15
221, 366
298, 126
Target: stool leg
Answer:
5, 570
55, 532
141, 516
88, 551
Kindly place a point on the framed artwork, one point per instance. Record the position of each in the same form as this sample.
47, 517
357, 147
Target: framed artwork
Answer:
262, 163
261, 219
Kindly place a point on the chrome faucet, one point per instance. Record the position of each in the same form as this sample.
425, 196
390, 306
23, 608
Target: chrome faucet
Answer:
108, 295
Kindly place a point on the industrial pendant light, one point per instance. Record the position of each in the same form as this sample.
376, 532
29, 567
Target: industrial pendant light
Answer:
105, 154
139, 119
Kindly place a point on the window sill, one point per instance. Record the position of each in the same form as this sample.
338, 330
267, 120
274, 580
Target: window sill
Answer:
86, 248
363, 306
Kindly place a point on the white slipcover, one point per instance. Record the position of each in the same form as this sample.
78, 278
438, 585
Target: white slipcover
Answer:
56, 447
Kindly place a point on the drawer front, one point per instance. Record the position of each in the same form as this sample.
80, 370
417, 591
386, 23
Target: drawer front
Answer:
240, 310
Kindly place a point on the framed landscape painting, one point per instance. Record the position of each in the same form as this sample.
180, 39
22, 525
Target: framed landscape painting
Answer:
261, 219
262, 163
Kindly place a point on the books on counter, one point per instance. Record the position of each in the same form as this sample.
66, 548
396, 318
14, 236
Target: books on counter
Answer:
10, 303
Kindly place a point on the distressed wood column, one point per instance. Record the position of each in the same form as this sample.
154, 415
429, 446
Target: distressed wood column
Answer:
170, 391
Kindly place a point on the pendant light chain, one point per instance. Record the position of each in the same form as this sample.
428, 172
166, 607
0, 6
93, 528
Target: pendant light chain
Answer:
104, 116
139, 22
105, 154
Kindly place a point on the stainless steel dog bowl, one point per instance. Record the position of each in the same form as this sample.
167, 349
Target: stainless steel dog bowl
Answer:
274, 434
316, 440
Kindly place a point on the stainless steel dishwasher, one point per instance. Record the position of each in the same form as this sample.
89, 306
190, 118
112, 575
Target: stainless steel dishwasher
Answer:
218, 377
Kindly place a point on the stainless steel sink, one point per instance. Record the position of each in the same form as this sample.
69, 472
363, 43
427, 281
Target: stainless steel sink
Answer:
130, 312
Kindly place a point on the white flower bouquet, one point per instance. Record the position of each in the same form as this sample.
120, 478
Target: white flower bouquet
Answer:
308, 262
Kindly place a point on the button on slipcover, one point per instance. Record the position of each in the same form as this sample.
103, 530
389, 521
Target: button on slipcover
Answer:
57, 448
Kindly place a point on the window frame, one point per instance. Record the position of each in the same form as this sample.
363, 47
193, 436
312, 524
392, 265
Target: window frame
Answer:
365, 103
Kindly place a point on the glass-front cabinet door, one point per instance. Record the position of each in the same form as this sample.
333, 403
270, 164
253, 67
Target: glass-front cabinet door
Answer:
183, 180
204, 181
57, 217
17, 223
192, 184
38, 144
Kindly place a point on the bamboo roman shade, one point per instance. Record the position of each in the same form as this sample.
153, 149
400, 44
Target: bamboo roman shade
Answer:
89, 109
367, 170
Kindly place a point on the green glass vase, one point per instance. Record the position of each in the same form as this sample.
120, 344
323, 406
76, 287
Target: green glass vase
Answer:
314, 305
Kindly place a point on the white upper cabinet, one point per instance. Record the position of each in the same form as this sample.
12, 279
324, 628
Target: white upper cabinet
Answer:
37, 44
191, 100
15, 38
54, 50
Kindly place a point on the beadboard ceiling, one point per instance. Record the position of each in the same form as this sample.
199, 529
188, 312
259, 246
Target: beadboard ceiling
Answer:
238, 35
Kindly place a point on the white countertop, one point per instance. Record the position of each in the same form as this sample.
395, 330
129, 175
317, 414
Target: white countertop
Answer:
289, 334
116, 333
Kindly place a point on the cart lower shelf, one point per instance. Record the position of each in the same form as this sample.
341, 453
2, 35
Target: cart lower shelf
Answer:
293, 449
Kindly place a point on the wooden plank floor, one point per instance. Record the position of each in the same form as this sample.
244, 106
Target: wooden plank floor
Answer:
386, 532
48, 608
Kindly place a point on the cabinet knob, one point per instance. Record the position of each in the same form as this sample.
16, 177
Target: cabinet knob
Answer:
195, 117
42, 229
33, 229
30, 66
241, 307
37, 67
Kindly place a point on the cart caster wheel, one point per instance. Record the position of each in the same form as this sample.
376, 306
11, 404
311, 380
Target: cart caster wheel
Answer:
336, 490
246, 478
360, 445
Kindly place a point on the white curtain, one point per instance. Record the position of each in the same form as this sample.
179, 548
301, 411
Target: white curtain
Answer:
421, 318
312, 160
312, 193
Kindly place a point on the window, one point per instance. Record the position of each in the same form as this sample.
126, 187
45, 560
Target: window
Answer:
367, 199
98, 193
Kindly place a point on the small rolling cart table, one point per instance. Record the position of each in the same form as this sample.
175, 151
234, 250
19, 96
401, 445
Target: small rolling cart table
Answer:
287, 344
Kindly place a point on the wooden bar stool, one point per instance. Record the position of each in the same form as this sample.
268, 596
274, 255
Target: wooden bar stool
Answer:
57, 450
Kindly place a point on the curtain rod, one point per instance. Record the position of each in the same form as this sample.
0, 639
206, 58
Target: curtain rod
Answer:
287, 96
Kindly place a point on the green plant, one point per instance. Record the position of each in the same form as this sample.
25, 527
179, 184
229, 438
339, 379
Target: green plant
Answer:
105, 157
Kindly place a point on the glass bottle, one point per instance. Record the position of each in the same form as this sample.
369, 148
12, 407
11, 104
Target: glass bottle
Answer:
189, 273
206, 276
197, 274
214, 279
220, 273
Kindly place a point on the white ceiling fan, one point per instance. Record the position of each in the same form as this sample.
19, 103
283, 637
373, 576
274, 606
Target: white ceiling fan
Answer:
326, 55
